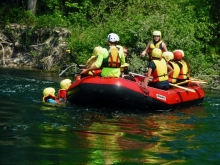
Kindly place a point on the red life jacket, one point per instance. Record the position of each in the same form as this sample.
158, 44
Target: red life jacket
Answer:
61, 93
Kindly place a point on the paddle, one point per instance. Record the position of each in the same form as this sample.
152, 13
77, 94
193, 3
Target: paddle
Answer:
191, 80
195, 79
191, 90
136, 74
74, 60
203, 82
183, 82
65, 70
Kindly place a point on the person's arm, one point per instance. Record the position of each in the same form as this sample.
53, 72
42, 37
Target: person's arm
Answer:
164, 47
97, 64
122, 58
145, 50
85, 71
148, 76
170, 69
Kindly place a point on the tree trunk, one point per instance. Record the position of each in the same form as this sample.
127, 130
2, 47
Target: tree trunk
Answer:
32, 5
3, 54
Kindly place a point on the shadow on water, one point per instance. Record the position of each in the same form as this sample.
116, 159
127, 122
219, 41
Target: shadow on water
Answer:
32, 132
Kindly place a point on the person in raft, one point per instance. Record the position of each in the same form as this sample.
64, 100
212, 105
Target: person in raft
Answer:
49, 95
110, 58
184, 73
91, 61
124, 68
64, 85
155, 43
169, 57
158, 71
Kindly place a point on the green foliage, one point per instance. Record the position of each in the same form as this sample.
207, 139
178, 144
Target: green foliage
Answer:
16, 15
55, 20
137, 65
196, 31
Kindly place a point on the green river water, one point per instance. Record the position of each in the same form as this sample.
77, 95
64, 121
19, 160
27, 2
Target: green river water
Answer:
32, 132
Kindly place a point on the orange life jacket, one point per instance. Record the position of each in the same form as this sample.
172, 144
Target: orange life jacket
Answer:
113, 59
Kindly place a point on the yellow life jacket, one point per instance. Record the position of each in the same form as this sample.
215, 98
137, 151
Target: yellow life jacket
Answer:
91, 61
176, 71
113, 59
152, 46
160, 73
183, 75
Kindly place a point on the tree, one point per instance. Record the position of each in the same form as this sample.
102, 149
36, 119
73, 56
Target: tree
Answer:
32, 5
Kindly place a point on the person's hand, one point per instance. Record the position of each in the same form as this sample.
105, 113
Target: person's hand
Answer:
84, 71
145, 83
143, 53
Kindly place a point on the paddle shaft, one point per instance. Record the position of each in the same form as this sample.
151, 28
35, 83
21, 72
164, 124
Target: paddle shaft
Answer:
202, 82
74, 60
65, 70
191, 90
136, 74
183, 82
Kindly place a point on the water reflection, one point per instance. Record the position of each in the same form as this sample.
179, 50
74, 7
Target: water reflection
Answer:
108, 137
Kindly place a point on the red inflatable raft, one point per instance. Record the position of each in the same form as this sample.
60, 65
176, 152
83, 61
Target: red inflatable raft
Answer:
127, 93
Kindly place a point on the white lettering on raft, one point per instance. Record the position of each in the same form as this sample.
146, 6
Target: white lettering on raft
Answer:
161, 97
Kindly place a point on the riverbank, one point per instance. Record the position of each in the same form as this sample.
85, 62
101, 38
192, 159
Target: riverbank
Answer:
26, 46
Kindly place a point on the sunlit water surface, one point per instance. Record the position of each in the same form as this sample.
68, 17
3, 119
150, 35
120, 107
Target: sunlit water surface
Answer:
32, 132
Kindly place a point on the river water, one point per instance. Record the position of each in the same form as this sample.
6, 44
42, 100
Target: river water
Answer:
32, 132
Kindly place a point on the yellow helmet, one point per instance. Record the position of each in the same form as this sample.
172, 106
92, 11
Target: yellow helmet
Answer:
49, 91
178, 50
96, 50
64, 84
157, 33
168, 56
156, 53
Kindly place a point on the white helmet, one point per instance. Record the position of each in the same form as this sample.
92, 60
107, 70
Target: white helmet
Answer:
112, 37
